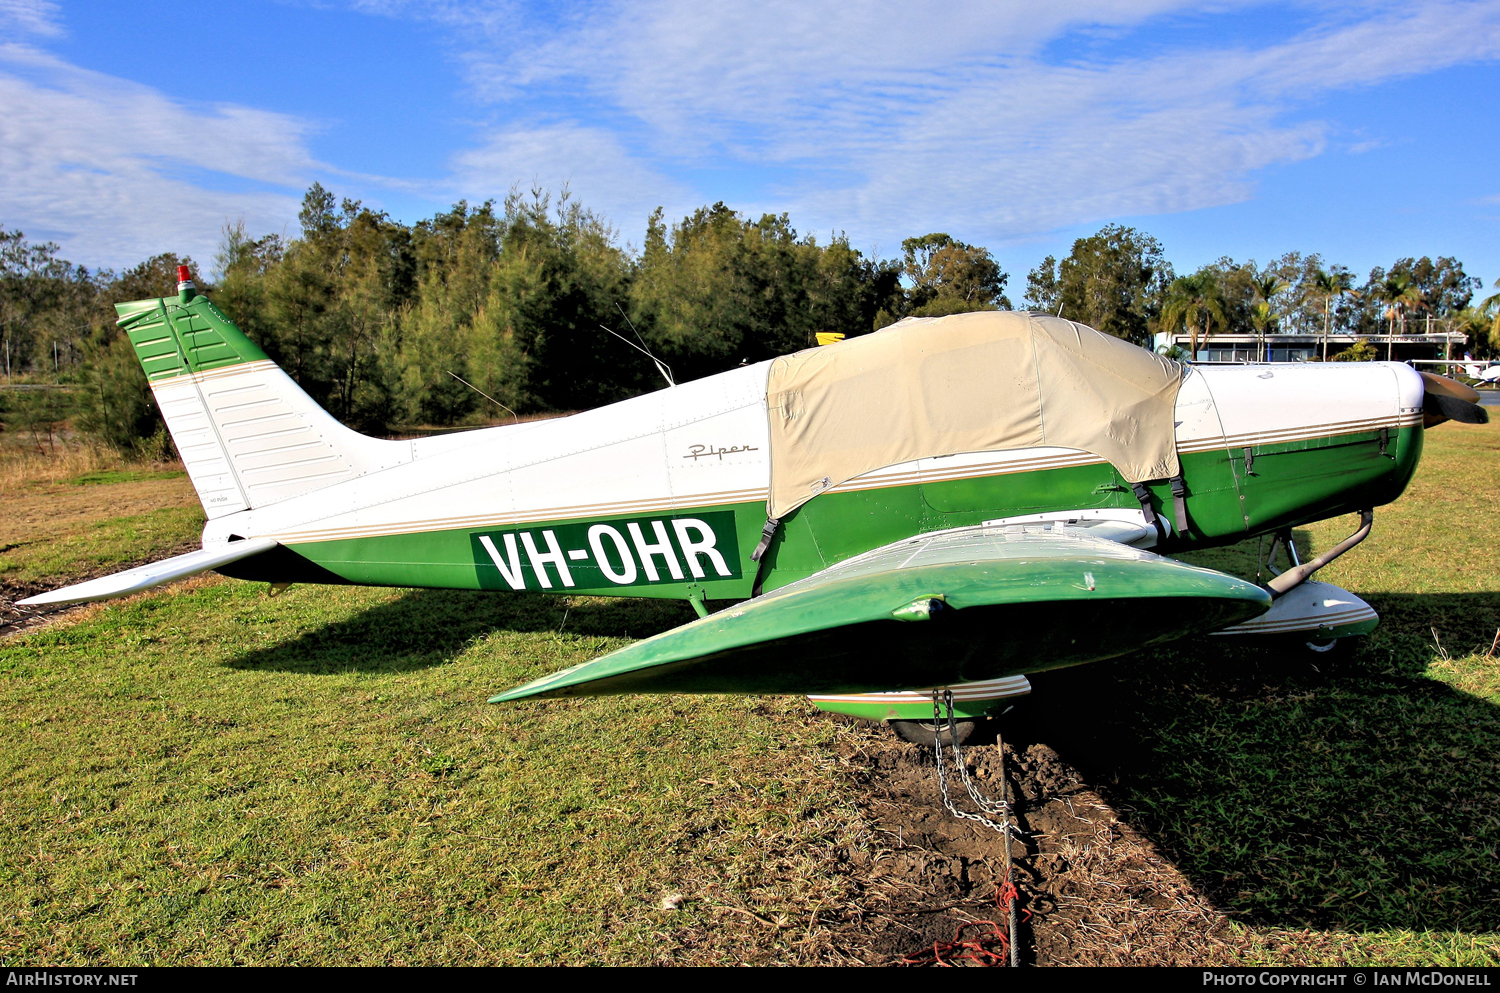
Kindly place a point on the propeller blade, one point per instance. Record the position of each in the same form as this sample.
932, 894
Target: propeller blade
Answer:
1439, 407
1447, 399
1442, 385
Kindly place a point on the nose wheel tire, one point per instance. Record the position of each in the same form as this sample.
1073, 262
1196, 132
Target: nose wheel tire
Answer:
1327, 648
927, 733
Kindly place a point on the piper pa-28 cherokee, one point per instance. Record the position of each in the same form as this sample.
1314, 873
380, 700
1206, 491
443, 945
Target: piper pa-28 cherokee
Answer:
951, 502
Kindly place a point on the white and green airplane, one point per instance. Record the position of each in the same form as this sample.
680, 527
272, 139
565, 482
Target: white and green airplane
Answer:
947, 503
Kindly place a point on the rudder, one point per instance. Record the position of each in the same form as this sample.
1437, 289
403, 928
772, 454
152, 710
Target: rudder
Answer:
248, 435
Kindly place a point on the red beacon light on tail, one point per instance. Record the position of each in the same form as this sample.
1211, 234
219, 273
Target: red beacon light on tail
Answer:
185, 288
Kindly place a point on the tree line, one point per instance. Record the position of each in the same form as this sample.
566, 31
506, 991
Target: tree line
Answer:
534, 305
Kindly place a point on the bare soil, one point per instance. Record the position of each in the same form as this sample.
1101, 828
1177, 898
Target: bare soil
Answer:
1094, 891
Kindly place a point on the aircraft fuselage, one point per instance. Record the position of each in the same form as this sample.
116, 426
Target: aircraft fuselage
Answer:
664, 495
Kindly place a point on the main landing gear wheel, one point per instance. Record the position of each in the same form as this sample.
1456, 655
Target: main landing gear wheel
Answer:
926, 733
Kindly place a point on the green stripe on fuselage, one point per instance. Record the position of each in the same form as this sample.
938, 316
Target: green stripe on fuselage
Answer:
564, 556
1286, 484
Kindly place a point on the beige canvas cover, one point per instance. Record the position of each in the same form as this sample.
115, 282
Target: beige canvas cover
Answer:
979, 382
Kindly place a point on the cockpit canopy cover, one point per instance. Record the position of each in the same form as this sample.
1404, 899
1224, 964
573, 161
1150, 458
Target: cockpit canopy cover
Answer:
980, 382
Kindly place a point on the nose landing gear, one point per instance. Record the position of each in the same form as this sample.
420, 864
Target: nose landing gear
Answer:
929, 733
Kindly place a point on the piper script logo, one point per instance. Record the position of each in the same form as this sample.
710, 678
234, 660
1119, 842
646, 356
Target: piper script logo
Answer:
616, 553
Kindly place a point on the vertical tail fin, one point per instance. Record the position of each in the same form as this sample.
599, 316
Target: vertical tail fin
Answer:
248, 435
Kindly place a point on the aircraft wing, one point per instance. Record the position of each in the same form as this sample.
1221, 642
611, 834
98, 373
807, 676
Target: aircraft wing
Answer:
950, 607
153, 573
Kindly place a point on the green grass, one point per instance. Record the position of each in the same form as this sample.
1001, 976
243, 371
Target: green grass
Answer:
105, 477
217, 777
78, 515
209, 775
1348, 806
100, 546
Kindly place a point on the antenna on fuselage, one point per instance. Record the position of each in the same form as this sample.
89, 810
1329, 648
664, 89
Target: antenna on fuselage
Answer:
661, 367
482, 393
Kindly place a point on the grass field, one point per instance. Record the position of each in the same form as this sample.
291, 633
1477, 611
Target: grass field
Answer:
1352, 801
209, 775
213, 776
86, 512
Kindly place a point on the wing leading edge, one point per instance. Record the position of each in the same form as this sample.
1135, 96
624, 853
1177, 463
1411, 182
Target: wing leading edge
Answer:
951, 607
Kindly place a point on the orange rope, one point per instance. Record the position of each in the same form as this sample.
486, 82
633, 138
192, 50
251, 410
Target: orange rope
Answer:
991, 948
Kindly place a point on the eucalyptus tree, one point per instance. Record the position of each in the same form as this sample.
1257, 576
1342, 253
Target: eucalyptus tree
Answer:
1444, 288
950, 277
1113, 280
49, 307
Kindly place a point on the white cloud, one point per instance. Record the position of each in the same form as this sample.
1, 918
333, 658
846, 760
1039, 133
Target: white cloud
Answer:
116, 171
884, 117
37, 17
589, 162
994, 121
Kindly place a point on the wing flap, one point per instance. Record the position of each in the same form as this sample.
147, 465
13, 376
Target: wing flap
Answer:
956, 606
153, 574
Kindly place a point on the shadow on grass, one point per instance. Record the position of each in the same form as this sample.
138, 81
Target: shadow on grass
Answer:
1297, 789
425, 628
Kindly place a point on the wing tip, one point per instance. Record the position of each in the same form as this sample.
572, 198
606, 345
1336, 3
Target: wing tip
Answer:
144, 577
46, 599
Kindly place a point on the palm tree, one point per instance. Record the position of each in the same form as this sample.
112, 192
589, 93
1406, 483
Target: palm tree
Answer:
1412, 299
1388, 291
1491, 308
1263, 318
1191, 300
1474, 322
1396, 291
1263, 315
1326, 285
1343, 284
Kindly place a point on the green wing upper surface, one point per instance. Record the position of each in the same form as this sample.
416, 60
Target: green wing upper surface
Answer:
955, 606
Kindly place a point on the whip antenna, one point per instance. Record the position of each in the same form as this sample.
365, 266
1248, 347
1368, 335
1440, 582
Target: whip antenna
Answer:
661, 367
485, 395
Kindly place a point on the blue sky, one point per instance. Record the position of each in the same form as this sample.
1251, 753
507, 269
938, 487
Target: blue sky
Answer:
1363, 132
